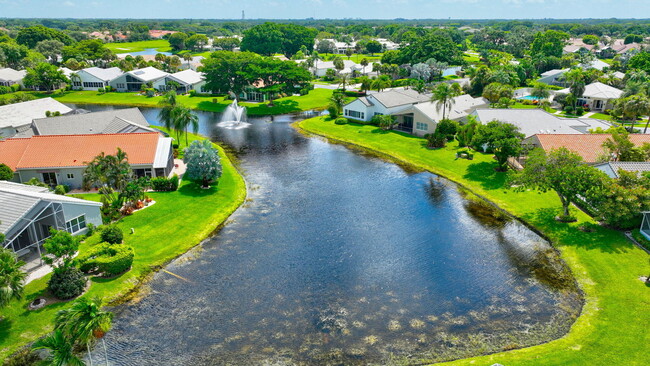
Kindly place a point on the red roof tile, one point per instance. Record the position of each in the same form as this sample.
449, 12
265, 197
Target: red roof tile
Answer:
589, 146
76, 150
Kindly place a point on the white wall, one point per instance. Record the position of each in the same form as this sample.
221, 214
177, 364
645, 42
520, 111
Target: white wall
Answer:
61, 176
83, 76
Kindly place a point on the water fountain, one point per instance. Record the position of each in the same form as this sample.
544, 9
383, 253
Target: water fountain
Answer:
234, 117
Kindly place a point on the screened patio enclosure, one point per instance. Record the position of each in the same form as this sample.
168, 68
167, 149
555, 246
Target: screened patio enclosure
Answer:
645, 224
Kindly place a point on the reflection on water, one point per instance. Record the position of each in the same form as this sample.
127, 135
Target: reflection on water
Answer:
344, 259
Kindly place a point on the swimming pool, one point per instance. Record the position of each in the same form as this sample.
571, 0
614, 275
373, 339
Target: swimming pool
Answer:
529, 97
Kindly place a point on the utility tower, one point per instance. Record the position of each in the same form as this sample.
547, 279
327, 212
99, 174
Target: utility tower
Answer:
243, 15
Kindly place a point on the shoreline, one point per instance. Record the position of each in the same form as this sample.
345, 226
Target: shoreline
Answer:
579, 332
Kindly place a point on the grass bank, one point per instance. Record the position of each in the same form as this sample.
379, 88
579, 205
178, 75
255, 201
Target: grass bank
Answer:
316, 99
161, 45
613, 326
177, 222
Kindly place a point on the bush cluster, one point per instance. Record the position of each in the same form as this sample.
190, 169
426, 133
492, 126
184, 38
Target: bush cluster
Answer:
112, 234
164, 184
106, 258
341, 121
67, 283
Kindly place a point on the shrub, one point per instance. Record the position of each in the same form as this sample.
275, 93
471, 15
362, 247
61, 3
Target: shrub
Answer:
67, 283
112, 234
174, 181
107, 259
4, 89
192, 93
568, 109
447, 128
5, 172
580, 111
23, 357
150, 92
101, 90
341, 121
435, 140
108, 88
90, 229
164, 184
61, 189
15, 88
333, 111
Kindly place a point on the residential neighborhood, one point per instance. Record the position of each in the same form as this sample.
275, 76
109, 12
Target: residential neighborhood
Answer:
324, 183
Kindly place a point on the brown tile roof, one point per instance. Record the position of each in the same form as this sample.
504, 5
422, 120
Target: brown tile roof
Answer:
76, 150
589, 146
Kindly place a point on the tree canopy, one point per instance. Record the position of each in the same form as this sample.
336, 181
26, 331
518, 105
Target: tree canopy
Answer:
439, 47
269, 38
30, 36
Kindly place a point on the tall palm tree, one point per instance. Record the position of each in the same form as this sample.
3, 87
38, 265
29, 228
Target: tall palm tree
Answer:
184, 118
11, 277
443, 96
61, 350
84, 322
338, 99
576, 80
168, 104
187, 57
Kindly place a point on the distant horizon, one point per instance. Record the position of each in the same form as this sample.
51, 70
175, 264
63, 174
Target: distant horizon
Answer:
413, 10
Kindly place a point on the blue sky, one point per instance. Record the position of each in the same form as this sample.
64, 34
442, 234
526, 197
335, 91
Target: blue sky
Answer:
290, 9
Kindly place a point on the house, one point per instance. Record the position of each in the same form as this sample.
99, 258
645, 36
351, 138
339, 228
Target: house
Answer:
135, 79
17, 117
588, 146
612, 168
27, 213
192, 64
9, 77
576, 45
597, 96
422, 118
158, 34
129, 120
388, 44
537, 121
553, 77
621, 48
596, 64
387, 102
93, 78
187, 80
62, 159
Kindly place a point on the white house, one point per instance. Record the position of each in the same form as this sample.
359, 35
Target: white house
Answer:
553, 77
9, 77
537, 121
133, 80
28, 212
187, 80
93, 78
422, 118
16, 118
192, 64
597, 96
387, 102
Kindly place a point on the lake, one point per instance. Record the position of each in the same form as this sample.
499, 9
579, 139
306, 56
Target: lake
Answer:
339, 257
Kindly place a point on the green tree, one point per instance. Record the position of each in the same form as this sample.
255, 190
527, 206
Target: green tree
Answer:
296, 37
540, 91
374, 47
84, 322
92, 50
264, 39
443, 96
549, 43
177, 41
364, 64
576, 80
203, 162
590, 39
466, 132
61, 350
560, 170
5, 172
12, 55
11, 276
196, 42
640, 61
495, 91
46, 76
226, 43
338, 99
384, 121
619, 202
505, 149
184, 118
436, 46
112, 171
30, 36
486, 135
63, 246
50, 48
226, 71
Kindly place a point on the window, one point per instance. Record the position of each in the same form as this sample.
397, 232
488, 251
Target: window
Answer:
49, 178
355, 114
120, 86
70, 176
421, 126
378, 114
76, 83
92, 84
76, 224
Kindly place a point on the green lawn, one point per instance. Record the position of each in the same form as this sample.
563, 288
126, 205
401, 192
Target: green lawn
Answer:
175, 223
604, 116
316, 99
613, 326
471, 57
160, 45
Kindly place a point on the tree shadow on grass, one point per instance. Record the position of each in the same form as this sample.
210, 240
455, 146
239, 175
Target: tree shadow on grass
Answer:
279, 107
485, 174
602, 238
195, 190
5, 327
212, 107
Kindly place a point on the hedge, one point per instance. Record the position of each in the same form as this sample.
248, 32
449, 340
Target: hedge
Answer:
109, 259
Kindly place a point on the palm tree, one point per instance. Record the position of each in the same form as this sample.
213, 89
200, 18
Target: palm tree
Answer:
168, 104
338, 99
184, 118
61, 350
11, 277
443, 96
187, 57
108, 170
540, 91
575, 79
364, 63
85, 322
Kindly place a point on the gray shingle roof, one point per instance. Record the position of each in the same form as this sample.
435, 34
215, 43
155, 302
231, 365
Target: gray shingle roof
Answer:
104, 74
398, 97
113, 121
611, 168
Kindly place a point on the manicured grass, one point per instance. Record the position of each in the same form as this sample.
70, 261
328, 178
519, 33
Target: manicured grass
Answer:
603, 116
471, 57
613, 326
175, 223
316, 99
160, 45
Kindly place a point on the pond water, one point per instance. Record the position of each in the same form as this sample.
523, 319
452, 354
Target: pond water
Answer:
342, 258
146, 51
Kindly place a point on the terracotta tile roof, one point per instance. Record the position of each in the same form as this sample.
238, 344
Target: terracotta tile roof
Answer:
589, 146
76, 150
